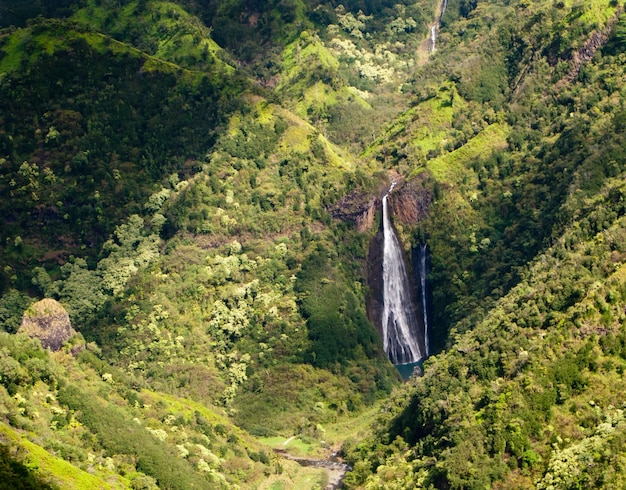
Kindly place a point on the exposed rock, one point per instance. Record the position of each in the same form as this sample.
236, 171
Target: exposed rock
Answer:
58, 256
49, 322
410, 201
374, 301
597, 40
357, 207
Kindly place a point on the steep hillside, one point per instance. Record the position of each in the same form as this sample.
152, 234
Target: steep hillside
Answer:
530, 202
181, 219
72, 421
197, 183
506, 155
90, 128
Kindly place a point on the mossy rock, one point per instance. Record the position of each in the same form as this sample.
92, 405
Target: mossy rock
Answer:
48, 321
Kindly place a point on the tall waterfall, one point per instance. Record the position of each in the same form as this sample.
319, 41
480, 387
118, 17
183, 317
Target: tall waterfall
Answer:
399, 321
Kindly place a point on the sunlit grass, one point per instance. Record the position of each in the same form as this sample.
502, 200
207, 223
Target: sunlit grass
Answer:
57, 470
595, 12
452, 167
180, 37
293, 445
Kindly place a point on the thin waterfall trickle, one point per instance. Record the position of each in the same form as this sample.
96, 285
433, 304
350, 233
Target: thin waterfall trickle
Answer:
422, 277
435, 27
399, 321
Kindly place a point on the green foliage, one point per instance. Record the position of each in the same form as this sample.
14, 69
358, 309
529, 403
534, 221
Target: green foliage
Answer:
12, 307
108, 135
162, 29
80, 289
246, 27
31, 466
514, 382
576, 465
187, 230
18, 12
511, 381
131, 249
23, 363
118, 434
338, 330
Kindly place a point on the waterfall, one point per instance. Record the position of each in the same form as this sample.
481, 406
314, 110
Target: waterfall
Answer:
422, 253
435, 27
399, 322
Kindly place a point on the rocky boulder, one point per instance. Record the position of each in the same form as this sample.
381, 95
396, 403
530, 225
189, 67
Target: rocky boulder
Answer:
49, 322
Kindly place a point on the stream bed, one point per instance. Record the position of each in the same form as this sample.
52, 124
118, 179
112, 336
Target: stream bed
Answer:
334, 467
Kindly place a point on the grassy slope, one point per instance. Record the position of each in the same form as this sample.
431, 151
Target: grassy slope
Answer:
66, 447
53, 469
452, 167
163, 29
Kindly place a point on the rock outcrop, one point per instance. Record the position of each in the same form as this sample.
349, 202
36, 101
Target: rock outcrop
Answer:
584, 55
411, 200
357, 207
49, 322
374, 301
409, 203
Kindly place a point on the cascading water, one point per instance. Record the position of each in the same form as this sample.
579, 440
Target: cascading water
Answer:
435, 27
399, 321
422, 271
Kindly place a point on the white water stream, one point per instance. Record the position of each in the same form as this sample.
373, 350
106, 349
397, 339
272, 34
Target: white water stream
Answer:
422, 276
434, 29
399, 320
433, 37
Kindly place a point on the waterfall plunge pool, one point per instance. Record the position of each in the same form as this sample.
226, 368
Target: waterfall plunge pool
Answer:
406, 370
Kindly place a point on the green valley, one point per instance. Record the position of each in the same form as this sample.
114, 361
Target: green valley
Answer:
197, 188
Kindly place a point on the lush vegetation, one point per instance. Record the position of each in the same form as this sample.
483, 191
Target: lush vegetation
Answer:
528, 388
169, 172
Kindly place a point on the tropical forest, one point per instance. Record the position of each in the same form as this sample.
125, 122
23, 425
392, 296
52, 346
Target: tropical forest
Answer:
312, 244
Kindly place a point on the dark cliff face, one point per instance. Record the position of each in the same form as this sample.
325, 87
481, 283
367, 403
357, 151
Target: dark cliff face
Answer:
409, 203
358, 208
411, 200
374, 300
